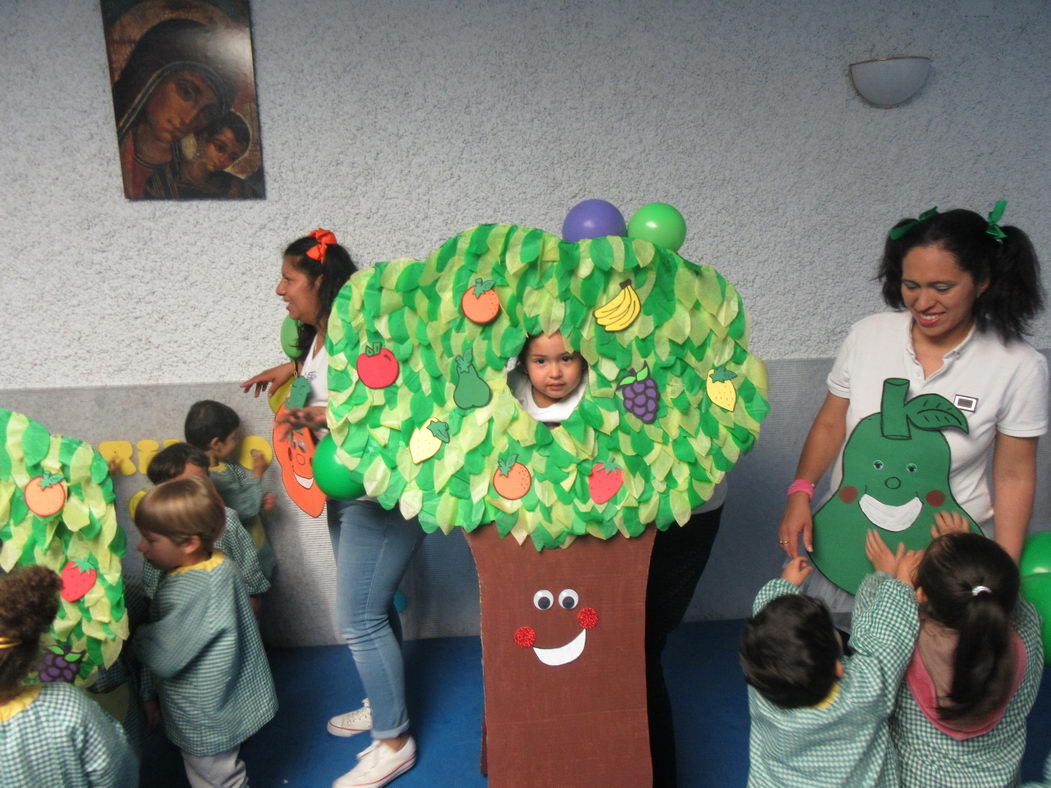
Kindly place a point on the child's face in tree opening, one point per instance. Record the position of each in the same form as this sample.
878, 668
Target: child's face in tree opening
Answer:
299, 293
164, 553
553, 370
221, 150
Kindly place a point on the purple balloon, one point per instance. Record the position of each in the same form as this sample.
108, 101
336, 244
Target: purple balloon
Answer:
593, 219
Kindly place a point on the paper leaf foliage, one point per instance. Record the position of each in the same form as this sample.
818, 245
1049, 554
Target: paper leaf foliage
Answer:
672, 455
84, 531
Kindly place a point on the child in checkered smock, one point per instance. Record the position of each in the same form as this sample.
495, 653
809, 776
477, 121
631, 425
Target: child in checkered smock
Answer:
960, 717
819, 717
215, 429
50, 734
201, 647
179, 461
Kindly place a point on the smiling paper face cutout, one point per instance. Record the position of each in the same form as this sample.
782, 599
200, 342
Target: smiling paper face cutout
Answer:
895, 478
567, 602
294, 449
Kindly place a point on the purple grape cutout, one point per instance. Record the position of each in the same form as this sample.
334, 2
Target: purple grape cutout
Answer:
640, 392
60, 664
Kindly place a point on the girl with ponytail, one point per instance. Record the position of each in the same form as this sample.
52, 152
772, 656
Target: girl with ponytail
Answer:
960, 716
51, 733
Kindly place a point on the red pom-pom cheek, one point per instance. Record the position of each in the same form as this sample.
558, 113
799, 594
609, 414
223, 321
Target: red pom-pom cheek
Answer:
588, 618
935, 497
848, 494
525, 637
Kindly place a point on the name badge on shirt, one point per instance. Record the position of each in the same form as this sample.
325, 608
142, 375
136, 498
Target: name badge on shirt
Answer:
964, 402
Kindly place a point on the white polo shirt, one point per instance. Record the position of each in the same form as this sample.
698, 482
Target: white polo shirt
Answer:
998, 386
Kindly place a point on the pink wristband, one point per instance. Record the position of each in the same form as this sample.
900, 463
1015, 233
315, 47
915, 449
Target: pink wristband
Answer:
803, 486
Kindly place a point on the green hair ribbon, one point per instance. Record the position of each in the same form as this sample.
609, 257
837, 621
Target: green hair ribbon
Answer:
898, 232
995, 215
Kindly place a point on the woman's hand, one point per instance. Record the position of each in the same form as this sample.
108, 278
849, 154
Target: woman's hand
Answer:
313, 417
795, 521
270, 380
796, 571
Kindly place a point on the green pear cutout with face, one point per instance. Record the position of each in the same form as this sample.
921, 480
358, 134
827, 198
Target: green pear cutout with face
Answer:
895, 479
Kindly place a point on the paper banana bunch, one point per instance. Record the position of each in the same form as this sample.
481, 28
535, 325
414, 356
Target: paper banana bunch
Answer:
620, 311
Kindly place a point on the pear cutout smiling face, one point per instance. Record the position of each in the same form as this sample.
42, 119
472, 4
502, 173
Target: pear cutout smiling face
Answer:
896, 467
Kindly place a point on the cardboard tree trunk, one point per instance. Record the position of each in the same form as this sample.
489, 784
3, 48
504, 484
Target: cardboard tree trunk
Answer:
580, 720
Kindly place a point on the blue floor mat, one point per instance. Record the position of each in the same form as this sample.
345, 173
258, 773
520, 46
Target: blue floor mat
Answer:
444, 690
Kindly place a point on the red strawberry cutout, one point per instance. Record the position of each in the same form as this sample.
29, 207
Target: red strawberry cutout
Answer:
77, 579
605, 481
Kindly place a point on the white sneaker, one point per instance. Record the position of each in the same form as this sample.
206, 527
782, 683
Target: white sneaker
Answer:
378, 765
353, 722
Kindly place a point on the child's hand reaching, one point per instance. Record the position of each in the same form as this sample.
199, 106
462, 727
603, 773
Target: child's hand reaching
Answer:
948, 523
883, 560
259, 463
797, 570
907, 566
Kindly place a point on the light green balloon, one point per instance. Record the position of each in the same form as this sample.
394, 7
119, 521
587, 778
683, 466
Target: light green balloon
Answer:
289, 337
660, 224
1037, 589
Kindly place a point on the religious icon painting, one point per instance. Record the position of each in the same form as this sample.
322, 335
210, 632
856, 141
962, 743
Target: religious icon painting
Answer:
184, 98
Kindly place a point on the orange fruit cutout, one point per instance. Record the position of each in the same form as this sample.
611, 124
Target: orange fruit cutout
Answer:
512, 479
46, 494
480, 303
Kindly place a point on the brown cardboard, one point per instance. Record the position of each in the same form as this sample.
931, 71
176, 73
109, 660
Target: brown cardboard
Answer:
582, 723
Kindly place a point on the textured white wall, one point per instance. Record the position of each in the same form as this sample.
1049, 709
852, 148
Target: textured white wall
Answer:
400, 123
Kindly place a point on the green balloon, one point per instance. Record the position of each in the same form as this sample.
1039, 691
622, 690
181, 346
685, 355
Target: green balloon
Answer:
660, 224
1037, 589
1036, 555
289, 337
334, 478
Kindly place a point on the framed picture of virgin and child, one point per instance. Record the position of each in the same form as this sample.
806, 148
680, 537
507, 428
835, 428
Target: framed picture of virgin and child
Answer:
184, 98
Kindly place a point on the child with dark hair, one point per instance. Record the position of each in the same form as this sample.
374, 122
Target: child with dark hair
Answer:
214, 428
960, 717
819, 716
201, 646
183, 461
50, 733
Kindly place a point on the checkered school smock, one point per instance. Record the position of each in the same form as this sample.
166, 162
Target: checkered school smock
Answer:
237, 545
202, 646
53, 735
932, 759
243, 492
845, 742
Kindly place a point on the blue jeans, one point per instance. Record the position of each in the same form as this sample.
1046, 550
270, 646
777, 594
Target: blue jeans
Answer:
372, 547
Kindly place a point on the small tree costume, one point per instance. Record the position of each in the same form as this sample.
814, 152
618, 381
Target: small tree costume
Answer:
421, 414
56, 510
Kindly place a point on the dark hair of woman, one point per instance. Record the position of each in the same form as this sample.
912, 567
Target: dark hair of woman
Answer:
1009, 265
28, 605
971, 585
334, 272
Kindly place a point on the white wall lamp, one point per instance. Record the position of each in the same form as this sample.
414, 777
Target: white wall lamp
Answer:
888, 82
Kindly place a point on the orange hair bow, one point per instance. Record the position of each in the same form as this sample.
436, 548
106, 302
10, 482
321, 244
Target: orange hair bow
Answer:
323, 238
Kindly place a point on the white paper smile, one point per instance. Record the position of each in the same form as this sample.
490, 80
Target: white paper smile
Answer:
890, 518
303, 482
563, 654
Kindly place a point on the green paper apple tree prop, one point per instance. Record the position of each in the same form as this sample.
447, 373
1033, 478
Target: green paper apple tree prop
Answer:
644, 446
454, 370
895, 479
56, 510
